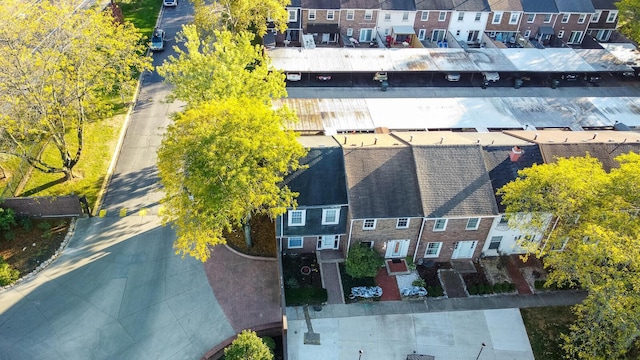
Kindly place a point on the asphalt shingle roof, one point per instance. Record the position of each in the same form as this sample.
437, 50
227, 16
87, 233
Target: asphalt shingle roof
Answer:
604, 4
453, 181
605, 152
505, 5
382, 182
359, 4
408, 5
460, 5
539, 6
320, 4
575, 6
502, 170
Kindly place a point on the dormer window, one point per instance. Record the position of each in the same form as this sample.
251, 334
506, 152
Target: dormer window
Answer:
330, 216
297, 217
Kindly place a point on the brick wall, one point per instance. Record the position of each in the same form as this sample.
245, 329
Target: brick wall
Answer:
357, 23
536, 24
431, 24
309, 244
504, 22
386, 230
455, 231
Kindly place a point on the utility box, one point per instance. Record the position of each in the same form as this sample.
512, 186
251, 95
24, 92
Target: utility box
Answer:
384, 85
517, 83
555, 83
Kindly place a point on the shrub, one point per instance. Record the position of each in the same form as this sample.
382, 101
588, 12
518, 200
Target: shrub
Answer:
247, 346
473, 290
419, 282
498, 288
511, 287
292, 283
45, 225
303, 296
435, 291
7, 219
271, 344
9, 235
410, 264
363, 262
8, 275
26, 223
539, 285
47, 234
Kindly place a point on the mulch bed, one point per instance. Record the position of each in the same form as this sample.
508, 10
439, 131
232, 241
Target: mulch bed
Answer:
477, 278
303, 269
430, 276
263, 235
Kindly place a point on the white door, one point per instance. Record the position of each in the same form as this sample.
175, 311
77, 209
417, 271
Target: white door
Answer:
397, 248
464, 249
422, 33
325, 38
328, 242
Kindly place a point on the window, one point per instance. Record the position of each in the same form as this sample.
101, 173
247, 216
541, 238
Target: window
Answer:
312, 15
565, 18
514, 18
560, 34
350, 14
424, 16
402, 223
422, 33
547, 18
440, 225
460, 16
442, 16
504, 220
293, 15
331, 14
387, 16
294, 242
612, 16
405, 16
531, 18
473, 223
369, 224
575, 37
497, 17
350, 32
330, 216
433, 250
478, 16
365, 35
596, 17
368, 15
297, 217
494, 244
527, 33
582, 18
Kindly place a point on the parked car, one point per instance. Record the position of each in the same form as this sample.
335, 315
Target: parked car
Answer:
452, 77
323, 77
592, 78
157, 40
570, 77
294, 76
170, 2
491, 76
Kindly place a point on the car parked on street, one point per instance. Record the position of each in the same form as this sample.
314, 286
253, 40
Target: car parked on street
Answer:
157, 40
491, 76
570, 77
452, 77
170, 3
592, 77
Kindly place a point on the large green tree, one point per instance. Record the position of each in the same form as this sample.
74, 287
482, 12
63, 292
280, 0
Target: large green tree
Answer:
59, 63
241, 15
248, 346
629, 18
597, 226
222, 161
226, 65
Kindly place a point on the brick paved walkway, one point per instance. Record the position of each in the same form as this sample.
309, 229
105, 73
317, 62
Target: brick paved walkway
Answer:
389, 286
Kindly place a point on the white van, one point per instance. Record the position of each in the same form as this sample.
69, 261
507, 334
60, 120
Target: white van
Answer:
491, 76
170, 2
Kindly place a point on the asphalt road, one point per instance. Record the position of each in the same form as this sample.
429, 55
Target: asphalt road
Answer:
118, 291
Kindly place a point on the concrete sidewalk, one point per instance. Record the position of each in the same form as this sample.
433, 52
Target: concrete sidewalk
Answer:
555, 298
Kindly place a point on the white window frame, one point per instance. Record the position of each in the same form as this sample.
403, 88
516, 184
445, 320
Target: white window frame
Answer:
293, 12
366, 222
349, 32
513, 19
351, 14
438, 246
582, 18
560, 34
473, 227
613, 15
422, 33
439, 221
303, 217
424, 16
387, 16
442, 16
497, 17
312, 14
596, 17
565, 18
331, 14
289, 246
491, 241
531, 18
336, 219
547, 19
527, 33
405, 221
368, 15
405, 16
478, 16
461, 16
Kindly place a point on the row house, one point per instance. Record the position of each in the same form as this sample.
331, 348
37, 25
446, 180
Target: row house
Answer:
573, 19
605, 20
539, 17
438, 21
321, 18
504, 21
358, 20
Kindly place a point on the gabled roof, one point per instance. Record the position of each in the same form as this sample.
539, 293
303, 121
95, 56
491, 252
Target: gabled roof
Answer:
360, 4
502, 170
575, 6
382, 182
605, 152
539, 6
320, 4
453, 181
294, 4
505, 5
470, 5
323, 181
408, 5
604, 4
434, 5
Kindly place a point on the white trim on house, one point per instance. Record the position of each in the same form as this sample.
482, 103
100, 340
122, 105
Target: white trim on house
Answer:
296, 239
431, 246
298, 221
326, 219
403, 223
438, 225
369, 224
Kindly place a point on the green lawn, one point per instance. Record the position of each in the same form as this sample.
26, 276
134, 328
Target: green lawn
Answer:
544, 326
143, 14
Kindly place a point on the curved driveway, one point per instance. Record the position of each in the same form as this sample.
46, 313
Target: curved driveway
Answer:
118, 291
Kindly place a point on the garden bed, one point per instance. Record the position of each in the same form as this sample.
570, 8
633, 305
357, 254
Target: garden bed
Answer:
478, 284
349, 282
302, 280
430, 276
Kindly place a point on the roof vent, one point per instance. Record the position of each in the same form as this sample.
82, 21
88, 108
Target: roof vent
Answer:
515, 153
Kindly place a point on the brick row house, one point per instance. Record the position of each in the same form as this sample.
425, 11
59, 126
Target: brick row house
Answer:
438, 23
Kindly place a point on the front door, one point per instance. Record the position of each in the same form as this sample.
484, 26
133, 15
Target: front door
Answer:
328, 242
464, 249
397, 248
575, 38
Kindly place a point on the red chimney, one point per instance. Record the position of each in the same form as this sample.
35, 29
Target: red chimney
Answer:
515, 153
